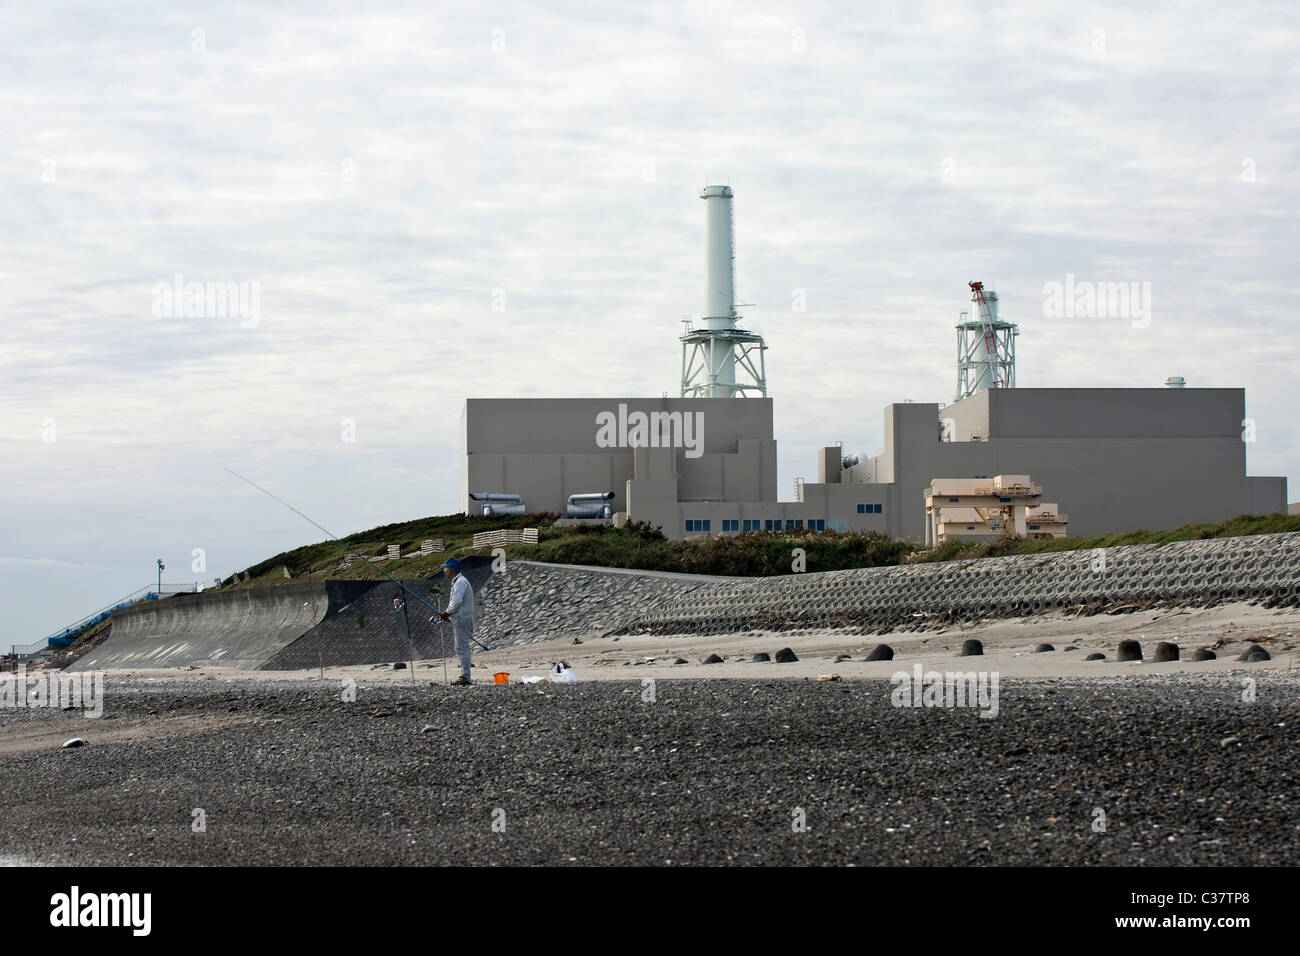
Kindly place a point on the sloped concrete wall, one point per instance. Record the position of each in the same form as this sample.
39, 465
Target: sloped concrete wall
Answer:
1262, 568
527, 602
238, 629
366, 630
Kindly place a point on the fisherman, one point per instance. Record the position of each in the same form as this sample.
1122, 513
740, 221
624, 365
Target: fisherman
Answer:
460, 611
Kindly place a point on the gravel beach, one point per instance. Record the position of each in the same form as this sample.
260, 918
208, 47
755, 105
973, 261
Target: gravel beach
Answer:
1156, 770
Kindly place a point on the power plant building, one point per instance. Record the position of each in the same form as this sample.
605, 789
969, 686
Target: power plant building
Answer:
1114, 459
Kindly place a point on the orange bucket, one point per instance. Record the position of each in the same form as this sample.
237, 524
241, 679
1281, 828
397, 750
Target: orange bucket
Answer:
502, 678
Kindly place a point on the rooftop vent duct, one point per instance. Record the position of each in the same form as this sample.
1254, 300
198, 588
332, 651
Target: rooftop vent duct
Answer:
499, 504
595, 504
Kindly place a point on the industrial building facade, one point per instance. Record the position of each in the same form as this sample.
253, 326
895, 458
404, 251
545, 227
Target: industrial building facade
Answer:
1115, 459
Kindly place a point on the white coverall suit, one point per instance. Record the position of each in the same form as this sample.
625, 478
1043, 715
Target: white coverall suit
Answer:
461, 609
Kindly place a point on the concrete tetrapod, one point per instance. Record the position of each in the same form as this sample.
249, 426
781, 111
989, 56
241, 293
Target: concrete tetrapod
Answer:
1128, 651
1166, 651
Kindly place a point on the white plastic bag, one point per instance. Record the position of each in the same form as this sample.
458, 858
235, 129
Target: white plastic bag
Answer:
562, 674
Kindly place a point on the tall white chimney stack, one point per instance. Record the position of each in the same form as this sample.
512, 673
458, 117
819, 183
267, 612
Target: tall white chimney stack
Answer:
720, 258
712, 354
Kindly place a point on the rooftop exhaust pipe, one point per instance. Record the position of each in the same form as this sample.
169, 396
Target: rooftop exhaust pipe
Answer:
500, 504
594, 504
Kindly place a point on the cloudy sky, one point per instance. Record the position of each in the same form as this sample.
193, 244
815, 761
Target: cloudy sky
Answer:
437, 201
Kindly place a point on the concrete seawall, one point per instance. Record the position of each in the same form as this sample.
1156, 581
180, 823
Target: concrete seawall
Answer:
366, 630
238, 629
294, 627
339, 623
1263, 568
298, 626
529, 602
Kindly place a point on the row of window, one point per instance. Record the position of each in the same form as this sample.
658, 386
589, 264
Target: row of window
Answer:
768, 524
873, 509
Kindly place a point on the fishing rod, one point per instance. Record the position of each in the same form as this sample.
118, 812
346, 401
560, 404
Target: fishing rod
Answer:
437, 610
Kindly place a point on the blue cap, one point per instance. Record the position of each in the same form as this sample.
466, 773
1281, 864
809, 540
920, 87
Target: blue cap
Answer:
453, 563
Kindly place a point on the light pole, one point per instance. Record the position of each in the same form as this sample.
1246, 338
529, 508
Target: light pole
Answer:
160, 571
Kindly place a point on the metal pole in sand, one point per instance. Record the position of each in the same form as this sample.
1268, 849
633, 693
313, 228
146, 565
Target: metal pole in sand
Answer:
320, 655
400, 605
442, 634
410, 640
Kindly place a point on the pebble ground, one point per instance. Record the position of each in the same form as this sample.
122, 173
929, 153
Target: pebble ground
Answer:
708, 772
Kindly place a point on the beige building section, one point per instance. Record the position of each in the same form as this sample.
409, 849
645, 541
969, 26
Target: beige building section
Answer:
973, 509
1115, 459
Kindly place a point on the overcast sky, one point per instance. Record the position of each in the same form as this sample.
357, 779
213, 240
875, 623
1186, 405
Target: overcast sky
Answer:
387, 178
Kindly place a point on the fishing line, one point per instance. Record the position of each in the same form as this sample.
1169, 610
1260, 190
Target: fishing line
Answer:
437, 610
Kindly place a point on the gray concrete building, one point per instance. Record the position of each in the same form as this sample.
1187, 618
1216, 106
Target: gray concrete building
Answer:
1115, 459
711, 449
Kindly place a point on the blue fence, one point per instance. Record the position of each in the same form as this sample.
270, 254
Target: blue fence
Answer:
67, 636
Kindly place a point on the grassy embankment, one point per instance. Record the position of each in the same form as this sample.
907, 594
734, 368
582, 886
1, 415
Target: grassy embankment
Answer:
763, 553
